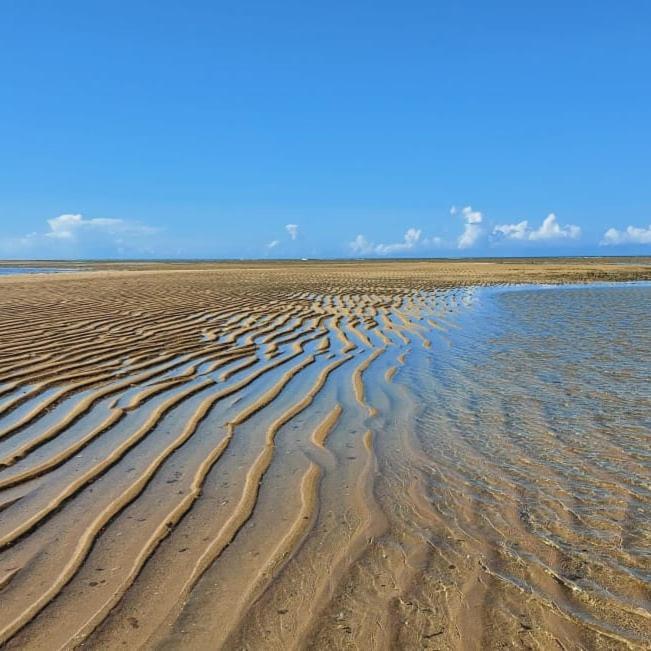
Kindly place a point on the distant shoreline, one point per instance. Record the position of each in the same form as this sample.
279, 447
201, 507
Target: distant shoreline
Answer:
433, 273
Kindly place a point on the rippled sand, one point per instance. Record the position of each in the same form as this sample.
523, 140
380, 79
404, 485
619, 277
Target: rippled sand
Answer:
325, 456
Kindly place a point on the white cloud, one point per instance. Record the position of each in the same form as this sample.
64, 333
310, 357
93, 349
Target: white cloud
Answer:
472, 229
435, 240
77, 235
362, 246
550, 229
632, 235
411, 237
292, 229
519, 231
273, 244
70, 226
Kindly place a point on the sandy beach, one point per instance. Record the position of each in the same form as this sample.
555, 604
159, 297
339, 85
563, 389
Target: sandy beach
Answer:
235, 455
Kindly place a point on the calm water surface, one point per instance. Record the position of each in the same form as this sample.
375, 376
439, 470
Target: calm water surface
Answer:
537, 421
11, 271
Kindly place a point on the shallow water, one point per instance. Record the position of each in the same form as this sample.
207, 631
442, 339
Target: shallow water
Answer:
366, 467
12, 271
537, 419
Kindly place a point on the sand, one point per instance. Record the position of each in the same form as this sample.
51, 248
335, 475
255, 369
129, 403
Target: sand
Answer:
206, 455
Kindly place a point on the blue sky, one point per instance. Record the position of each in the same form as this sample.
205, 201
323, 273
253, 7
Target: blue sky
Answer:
324, 129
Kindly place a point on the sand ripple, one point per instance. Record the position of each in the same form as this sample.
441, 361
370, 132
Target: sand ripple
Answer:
266, 459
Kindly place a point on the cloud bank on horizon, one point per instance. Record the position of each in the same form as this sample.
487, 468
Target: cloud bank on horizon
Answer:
631, 235
361, 246
477, 235
550, 229
74, 235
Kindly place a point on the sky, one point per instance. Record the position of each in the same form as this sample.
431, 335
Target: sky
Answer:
197, 129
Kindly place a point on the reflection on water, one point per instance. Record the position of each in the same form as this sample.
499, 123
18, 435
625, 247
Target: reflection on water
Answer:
537, 421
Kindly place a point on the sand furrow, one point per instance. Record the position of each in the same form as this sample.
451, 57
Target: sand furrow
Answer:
254, 476
372, 524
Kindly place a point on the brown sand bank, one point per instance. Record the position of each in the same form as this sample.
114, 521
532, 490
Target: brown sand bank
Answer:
218, 455
441, 272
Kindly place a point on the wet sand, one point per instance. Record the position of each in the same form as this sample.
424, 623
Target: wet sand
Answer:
237, 455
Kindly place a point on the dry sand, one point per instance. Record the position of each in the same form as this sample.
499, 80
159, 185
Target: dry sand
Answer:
189, 457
